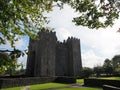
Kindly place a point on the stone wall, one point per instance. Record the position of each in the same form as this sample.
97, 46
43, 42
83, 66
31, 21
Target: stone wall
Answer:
15, 82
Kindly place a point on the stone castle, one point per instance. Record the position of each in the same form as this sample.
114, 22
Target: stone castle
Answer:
48, 57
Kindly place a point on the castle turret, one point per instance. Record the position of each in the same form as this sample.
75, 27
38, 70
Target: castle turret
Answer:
74, 57
41, 58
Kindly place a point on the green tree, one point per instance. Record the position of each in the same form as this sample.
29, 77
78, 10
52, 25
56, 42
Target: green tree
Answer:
86, 72
116, 64
108, 67
21, 17
26, 17
98, 70
8, 64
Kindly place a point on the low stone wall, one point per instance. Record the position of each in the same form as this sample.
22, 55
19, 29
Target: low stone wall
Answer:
14, 82
66, 80
101, 82
107, 87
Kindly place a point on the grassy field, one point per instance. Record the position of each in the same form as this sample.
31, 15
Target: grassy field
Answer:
55, 85
81, 81
82, 88
39, 86
110, 78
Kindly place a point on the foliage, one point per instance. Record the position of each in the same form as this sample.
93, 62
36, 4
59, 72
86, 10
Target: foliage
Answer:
116, 64
21, 17
8, 65
9, 68
96, 13
108, 67
98, 70
86, 72
27, 17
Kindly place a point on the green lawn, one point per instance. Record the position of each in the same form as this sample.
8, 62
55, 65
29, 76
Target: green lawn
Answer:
110, 78
39, 86
81, 81
82, 88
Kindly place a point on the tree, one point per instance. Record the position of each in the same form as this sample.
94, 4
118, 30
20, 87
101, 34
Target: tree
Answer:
108, 67
8, 64
86, 72
92, 12
21, 17
116, 64
26, 17
98, 70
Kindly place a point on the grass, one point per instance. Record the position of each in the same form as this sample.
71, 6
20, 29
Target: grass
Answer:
47, 86
39, 86
110, 78
83, 88
81, 81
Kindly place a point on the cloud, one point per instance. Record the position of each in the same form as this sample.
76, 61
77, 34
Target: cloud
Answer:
62, 34
90, 59
23, 60
96, 45
21, 44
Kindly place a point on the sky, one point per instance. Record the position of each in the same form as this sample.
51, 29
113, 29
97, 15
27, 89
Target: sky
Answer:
96, 45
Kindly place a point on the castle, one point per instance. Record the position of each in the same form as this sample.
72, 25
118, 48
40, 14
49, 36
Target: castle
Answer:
48, 57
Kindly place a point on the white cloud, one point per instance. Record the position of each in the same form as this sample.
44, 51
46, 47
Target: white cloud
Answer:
97, 45
23, 60
62, 34
90, 59
21, 44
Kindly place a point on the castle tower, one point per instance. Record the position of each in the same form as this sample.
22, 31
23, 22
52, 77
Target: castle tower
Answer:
74, 57
68, 58
41, 56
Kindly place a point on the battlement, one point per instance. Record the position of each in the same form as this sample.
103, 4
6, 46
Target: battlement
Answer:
46, 31
72, 39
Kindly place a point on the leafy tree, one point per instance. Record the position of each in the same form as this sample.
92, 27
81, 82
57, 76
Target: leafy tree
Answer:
98, 70
26, 17
8, 64
86, 72
108, 67
116, 64
21, 17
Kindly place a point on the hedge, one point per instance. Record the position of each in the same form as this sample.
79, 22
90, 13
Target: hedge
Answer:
101, 82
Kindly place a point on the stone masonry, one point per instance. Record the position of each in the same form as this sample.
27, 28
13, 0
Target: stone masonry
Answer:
48, 57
